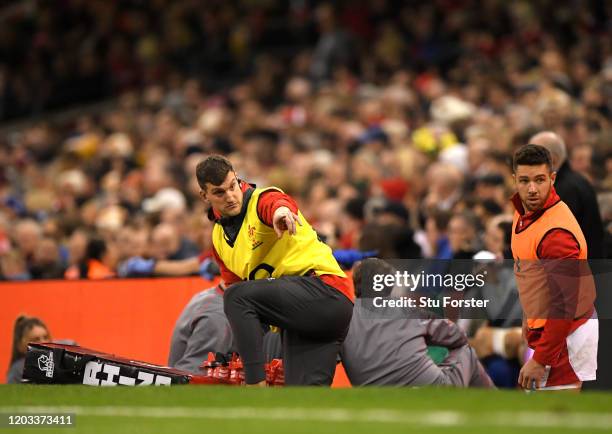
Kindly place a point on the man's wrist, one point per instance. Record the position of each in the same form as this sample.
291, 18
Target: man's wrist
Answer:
537, 358
281, 208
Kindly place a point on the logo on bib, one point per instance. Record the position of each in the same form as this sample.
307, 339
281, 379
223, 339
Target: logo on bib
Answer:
251, 234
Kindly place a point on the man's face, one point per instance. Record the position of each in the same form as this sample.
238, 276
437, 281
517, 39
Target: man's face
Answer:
225, 198
533, 184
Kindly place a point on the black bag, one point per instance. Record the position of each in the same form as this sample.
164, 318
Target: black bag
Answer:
49, 363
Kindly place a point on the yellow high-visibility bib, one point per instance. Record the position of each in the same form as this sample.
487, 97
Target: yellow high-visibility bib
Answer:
258, 253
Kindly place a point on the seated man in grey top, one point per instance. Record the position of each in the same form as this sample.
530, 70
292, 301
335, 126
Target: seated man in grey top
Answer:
201, 328
387, 347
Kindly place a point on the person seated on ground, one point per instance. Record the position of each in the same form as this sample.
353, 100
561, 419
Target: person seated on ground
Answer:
502, 351
26, 330
388, 346
202, 327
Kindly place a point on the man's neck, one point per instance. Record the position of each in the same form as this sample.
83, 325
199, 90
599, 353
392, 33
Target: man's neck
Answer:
531, 211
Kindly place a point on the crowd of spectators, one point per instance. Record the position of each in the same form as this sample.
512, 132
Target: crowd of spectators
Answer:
391, 123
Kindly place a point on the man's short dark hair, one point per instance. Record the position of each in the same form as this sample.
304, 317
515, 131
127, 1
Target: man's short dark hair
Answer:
213, 170
363, 276
532, 155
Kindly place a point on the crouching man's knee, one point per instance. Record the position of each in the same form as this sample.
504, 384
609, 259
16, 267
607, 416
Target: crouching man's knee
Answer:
234, 297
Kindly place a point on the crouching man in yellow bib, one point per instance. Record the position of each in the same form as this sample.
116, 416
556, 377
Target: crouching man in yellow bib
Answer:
278, 273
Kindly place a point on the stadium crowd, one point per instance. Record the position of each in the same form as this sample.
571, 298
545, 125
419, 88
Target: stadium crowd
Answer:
392, 124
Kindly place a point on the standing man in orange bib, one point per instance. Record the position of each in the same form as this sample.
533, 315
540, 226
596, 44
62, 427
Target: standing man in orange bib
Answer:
555, 286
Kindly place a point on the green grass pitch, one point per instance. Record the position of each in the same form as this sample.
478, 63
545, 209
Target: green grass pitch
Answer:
225, 410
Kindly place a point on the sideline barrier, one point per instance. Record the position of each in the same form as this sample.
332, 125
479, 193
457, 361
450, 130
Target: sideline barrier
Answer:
132, 318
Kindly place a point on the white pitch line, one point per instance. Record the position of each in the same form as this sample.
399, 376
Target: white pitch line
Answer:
582, 421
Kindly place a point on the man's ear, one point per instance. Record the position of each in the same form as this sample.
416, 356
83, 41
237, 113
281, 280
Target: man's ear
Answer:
203, 195
553, 177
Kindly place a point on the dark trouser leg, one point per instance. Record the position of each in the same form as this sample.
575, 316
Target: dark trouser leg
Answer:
463, 369
309, 361
314, 317
272, 346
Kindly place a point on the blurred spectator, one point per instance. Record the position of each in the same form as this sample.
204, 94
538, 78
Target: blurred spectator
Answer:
501, 352
436, 229
165, 199
14, 267
463, 235
444, 186
490, 190
333, 50
132, 241
345, 106
166, 243
498, 235
393, 214
353, 220
485, 210
580, 160
77, 249
99, 261
498, 341
606, 212
27, 236
47, 263
576, 191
